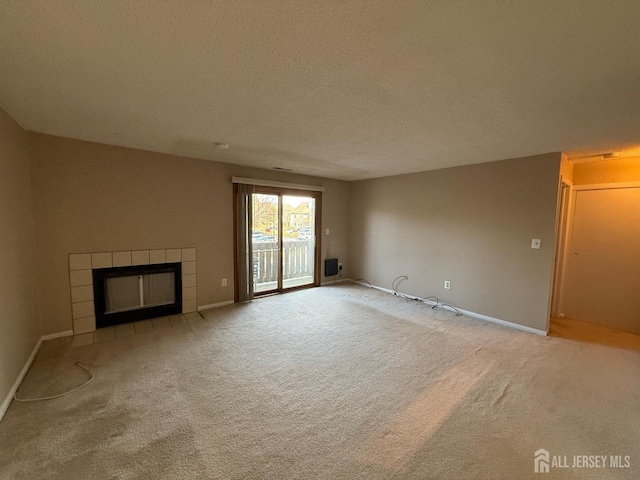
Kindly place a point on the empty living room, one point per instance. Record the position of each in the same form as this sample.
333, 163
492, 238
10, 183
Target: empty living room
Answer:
319, 240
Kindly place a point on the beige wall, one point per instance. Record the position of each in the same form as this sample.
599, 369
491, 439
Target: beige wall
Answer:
470, 225
607, 171
91, 197
566, 168
19, 322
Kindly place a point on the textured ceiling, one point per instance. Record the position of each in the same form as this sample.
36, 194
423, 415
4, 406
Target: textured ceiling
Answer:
341, 89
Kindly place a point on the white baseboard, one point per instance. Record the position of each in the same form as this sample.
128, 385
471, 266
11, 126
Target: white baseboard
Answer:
331, 282
51, 336
479, 316
7, 401
215, 305
517, 326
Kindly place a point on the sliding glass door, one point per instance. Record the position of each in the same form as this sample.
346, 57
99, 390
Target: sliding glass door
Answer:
283, 240
265, 241
299, 240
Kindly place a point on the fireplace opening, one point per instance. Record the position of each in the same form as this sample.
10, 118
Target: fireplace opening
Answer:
129, 294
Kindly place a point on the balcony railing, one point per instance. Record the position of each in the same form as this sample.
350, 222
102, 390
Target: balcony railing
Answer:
298, 262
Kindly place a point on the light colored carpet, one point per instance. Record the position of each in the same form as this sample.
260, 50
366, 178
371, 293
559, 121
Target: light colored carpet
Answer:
339, 382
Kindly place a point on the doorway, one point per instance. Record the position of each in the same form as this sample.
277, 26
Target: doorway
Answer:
284, 239
604, 268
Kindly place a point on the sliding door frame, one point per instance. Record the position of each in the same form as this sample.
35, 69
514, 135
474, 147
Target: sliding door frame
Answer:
280, 192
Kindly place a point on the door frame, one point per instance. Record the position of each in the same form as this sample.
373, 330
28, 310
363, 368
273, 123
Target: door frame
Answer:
566, 239
299, 192
564, 227
606, 186
575, 190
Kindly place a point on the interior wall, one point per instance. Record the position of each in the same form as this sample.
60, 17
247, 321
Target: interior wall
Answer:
607, 171
91, 197
471, 225
19, 318
567, 168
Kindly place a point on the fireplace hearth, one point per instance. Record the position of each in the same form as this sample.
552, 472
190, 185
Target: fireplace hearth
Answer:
81, 283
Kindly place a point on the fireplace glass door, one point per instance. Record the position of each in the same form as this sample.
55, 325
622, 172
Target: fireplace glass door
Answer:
139, 291
122, 293
129, 294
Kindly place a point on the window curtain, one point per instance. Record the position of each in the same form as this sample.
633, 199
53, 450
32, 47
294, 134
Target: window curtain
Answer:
244, 253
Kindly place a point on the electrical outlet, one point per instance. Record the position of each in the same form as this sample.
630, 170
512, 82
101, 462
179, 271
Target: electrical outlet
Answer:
224, 282
339, 267
447, 284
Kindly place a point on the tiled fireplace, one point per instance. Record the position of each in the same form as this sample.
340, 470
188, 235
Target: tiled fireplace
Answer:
81, 266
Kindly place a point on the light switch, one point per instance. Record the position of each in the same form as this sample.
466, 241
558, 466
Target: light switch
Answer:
327, 230
535, 243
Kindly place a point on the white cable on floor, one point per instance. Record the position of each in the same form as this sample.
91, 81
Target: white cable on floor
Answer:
15, 396
394, 287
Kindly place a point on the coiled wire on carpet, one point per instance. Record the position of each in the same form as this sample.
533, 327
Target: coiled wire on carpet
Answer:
394, 287
15, 396
398, 280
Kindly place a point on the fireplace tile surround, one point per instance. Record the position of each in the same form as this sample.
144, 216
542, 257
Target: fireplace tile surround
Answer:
81, 278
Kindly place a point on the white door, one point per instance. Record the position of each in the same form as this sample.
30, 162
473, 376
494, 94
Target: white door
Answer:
603, 284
